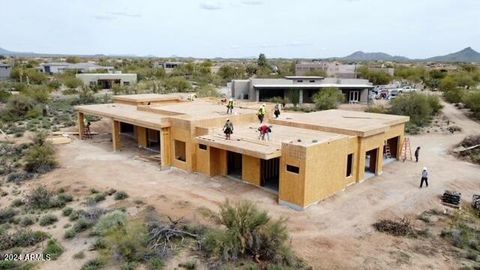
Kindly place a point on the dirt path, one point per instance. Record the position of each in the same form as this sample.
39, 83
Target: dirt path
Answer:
334, 234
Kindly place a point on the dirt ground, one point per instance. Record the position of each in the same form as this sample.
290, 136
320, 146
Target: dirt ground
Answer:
336, 233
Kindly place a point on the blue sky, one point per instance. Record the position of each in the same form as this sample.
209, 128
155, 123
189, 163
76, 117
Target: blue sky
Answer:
240, 28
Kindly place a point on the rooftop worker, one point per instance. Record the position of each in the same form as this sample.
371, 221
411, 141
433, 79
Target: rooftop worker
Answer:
230, 106
276, 110
228, 129
261, 113
417, 152
424, 177
264, 130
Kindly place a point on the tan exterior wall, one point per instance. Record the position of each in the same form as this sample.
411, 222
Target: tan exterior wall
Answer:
141, 136
251, 170
218, 162
203, 161
292, 185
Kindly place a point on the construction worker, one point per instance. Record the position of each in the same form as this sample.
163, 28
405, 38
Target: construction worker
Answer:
424, 177
276, 110
261, 113
230, 106
264, 130
228, 129
417, 152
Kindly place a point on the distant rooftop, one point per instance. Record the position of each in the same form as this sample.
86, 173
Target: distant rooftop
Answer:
304, 77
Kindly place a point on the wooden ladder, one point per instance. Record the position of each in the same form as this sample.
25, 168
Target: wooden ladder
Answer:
406, 150
387, 153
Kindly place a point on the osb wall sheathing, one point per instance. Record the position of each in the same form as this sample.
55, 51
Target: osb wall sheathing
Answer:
292, 185
251, 170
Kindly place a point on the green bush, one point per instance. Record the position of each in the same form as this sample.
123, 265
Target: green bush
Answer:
129, 243
48, 220
82, 224
120, 195
94, 264
40, 158
26, 221
328, 98
110, 221
22, 238
39, 198
53, 249
96, 198
17, 203
377, 109
72, 82
419, 107
249, 233
207, 90
18, 107
454, 95
155, 263
79, 255
67, 211
472, 101
7, 215
76, 214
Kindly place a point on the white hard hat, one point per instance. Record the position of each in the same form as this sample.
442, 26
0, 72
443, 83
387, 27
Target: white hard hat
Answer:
264, 104
231, 99
424, 168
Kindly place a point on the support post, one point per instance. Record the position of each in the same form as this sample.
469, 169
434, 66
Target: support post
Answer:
117, 144
81, 125
300, 96
165, 147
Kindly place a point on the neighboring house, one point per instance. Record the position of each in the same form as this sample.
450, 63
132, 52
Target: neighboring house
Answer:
335, 69
107, 80
355, 90
310, 157
168, 66
60, 67
5, 71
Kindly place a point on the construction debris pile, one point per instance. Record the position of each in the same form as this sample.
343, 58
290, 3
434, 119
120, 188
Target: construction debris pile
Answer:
451, 198
476, 202
469, 149
395, 228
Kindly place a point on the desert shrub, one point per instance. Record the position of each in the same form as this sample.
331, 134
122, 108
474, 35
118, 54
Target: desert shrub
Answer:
207, 90
22, 238
40, 158
128, 243
328, 98
110, 221
81, 225
99, 244
130, 266
72, 82
7, 215
39, 198
76, 214
53, 249
94, 264
67, 211
419, 107
120, 195
48, 220
65, 197
155, 263
454, 95
17, 203
377, 109
191, 265
18, 107
472, 101
27, 221
96, 198
249, 233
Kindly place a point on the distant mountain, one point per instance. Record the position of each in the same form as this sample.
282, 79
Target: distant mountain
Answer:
5, 52
374, 56
466, 55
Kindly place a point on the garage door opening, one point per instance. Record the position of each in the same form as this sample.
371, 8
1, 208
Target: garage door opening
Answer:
371, 162
234, 164
127, 129
270, 173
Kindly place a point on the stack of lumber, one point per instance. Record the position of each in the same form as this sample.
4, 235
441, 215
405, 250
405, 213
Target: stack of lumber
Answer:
451, 198
476, 201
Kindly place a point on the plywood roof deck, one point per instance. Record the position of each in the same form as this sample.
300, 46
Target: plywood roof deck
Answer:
126, 113
146, 98
340, 121
245, 139
199, 110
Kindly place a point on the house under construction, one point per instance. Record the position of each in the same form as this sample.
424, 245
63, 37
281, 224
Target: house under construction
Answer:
309, 157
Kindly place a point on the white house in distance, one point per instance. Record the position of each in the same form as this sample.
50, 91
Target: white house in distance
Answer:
107, 80
5, 71
60, 67
354, 90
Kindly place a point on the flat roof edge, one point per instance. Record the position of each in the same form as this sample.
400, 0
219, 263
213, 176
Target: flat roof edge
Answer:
237, 149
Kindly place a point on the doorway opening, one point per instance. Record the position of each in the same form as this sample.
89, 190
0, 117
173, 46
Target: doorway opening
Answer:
270, 173
371, 162
153, 140
353, 96
127, 129
234, 164
390, 149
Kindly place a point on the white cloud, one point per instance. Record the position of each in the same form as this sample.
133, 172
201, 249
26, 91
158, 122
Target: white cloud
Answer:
252, 2
125, 14
211, 6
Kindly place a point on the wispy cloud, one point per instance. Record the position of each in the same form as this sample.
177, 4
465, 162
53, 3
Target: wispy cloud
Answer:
211, 6
125, 14
252, 2
103, 18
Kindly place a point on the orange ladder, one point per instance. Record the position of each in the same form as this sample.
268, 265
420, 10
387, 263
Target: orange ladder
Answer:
406, 150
